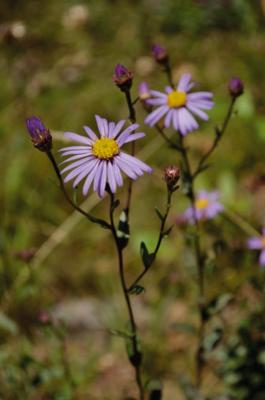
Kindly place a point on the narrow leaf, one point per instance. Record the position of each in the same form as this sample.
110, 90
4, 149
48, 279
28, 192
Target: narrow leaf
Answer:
160, 216
147, 257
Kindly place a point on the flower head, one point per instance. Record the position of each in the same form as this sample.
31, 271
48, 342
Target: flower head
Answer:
258, 243
123, 77
40, 135
177, 106
207, 206
100, 159
236, 87
160, 54
144, 91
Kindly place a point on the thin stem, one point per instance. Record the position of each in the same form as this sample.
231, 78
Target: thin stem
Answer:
136, 358
132, 117
218, 136
199, 262
68, 198
167, 139
168, 72
159, 240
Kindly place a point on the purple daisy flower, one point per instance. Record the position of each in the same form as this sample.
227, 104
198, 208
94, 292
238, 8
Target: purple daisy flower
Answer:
258, 243
99, 159
207, 206
177, 106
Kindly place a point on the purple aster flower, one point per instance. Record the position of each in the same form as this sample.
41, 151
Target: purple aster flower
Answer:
207, 206
100, 159
40, 135
177, 106
123, 77
236, 87
258, 243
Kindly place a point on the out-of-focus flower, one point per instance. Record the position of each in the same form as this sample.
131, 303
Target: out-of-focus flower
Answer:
160, 54
236, 87
207, 206
172, 175
258, 243
123, 77
144, 91
76, 16
177, 106
40, 135
100, 159
144, 66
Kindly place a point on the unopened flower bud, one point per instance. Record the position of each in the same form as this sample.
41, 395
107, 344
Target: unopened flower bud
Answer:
123, 77
172, 175
236, 87
40, 135
144, 92
160, 54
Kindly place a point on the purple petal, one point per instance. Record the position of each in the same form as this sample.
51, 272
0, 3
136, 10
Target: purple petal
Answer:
103, 179
76, 157
262, 258
111, 129
74, 148
134, 136
156, 102
124, 135
168, 118
84, 172
90, 178
96, 184
187, 123
155, 93
254, 243
77, 138
184, 82
125, 168
156, 115
76, 164
90, 133
117, 173
111, 177
77, 171
200, 96
176, 120
102, 126
168, 89
135, 162
197, 111
118, 128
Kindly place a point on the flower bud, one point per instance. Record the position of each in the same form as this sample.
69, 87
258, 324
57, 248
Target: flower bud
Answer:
144, 92
123, 77
236, 87
160, 54
172, 175
40, 135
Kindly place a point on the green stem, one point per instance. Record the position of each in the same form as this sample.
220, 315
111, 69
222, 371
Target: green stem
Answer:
136, 359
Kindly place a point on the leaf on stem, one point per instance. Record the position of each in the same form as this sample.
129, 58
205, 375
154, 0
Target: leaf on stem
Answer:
147, 257
160, 216
98, 221
123, 232
134, 354
167, 231
136, 289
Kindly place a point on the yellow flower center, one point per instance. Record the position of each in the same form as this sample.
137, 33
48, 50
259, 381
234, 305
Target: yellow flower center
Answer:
176, 99
105, 148
200, 204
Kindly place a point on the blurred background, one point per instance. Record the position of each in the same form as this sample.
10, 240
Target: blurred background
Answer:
57, 61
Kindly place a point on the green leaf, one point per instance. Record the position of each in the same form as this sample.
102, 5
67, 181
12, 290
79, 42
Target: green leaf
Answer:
147, 257
160, 216
167, 231
134, 355
7, 325
123, 232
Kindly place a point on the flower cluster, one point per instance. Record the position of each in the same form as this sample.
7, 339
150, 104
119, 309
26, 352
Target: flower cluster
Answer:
207, 206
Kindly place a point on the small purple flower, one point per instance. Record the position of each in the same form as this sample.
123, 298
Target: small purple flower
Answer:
236, 87
258, 243
144, 91
177, 105
160, 54
40, 135
100, 159
207, 206
123, 77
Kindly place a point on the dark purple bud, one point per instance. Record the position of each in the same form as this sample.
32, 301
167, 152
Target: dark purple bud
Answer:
172, 175
123, 77
40, 135
236, 87
160, 54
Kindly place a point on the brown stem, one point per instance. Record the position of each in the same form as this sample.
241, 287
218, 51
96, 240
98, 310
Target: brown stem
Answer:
136, 356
